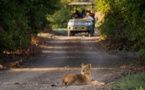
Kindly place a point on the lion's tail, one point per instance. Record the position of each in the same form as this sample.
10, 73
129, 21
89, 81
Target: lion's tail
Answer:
97, 83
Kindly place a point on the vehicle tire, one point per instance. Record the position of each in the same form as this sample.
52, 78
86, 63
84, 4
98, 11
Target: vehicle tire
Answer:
73, 34
92, 34
89, 34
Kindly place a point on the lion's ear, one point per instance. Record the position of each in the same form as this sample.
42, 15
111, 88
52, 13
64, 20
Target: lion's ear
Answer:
89, 65
82, 65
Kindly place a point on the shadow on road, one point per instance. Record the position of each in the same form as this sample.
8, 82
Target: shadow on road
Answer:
62, 55
64, 51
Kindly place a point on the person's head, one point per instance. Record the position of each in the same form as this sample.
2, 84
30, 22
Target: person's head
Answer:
87, 14
77, 11
83, 11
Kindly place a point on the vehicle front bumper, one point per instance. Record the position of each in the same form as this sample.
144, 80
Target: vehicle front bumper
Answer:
79, 28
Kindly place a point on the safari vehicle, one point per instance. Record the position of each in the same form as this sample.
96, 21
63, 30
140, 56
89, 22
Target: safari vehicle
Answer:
79, 25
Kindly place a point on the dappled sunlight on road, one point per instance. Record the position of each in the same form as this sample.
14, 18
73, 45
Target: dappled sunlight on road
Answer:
62, 55
66, 68
74, 51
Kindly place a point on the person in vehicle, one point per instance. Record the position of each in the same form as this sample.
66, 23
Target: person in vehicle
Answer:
76, 14
88, 16
83, 14
92, 15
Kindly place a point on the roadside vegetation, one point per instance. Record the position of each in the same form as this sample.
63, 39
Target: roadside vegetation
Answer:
20, 21
123, 24
61, 17
123, 28
131, 82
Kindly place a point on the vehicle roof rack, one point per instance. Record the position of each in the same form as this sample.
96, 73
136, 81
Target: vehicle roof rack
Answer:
81, 3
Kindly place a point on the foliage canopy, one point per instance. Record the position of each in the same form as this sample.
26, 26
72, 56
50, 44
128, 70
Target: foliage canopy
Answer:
124, 21
21, 18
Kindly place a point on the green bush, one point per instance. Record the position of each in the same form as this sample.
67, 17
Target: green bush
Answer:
13, 26
21, 18
124, 21
60, 18
131, 82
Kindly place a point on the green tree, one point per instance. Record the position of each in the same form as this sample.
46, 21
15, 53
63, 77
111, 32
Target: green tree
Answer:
20, 18
61, 17
124, 22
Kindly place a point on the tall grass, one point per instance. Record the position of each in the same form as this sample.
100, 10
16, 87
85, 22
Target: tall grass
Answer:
131, 82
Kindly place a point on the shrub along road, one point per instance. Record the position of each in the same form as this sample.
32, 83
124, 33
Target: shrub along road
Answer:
62, 55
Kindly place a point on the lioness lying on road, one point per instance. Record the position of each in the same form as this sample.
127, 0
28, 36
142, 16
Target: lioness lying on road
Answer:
80, 79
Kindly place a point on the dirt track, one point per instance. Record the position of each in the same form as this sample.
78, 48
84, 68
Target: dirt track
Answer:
63, 55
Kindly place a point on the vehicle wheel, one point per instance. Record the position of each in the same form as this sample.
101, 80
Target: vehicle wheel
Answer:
89, 34
73, 34
92, 34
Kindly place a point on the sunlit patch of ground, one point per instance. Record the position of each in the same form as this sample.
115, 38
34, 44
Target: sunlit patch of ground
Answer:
62, 55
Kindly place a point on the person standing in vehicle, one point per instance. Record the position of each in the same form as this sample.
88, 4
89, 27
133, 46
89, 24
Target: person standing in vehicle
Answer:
92, 19
88, 16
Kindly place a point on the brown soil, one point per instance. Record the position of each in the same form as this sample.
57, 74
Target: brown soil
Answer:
60, 55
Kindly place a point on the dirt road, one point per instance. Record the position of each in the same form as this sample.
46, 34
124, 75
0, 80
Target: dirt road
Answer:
63, 55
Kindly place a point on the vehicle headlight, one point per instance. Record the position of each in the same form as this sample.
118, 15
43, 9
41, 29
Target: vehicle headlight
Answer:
70, 23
